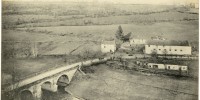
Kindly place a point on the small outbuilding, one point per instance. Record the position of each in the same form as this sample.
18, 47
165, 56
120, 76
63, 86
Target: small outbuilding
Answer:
108, 46
167, 66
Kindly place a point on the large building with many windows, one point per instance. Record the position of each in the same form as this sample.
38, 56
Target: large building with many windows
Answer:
168, 50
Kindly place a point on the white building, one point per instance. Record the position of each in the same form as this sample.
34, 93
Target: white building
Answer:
108, 46
167, 66
168, 50
137, 41
196, 5
156, 66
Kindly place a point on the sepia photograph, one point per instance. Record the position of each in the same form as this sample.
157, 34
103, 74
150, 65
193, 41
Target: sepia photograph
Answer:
99, 49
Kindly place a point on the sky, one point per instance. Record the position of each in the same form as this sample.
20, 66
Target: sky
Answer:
165, 2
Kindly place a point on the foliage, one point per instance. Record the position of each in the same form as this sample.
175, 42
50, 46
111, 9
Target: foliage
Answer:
154, 53
88, 54
127, 36
121, 36
119, 33
13, 49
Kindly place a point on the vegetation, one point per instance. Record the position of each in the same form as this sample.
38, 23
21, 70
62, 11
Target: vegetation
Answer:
120, 35
55, 14
12, 49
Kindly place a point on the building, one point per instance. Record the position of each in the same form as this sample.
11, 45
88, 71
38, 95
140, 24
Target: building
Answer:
157, 38
167, 67
168, 50
176, 67
137, 41
196, 5
192, 3
108, 46
156, 66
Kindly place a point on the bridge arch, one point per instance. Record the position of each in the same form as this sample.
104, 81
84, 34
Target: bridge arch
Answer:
46, 90
63, 80
26, 95
46, 85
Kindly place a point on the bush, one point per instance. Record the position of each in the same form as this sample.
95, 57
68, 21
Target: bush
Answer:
13, 49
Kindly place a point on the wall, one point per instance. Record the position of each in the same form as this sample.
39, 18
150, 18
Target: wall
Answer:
137, 41
172, 50
184, 68
172, 67
105, 48
168, 66
160, 66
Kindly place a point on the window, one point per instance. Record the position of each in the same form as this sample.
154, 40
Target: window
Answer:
175, 50
104, 46
154, 49
181, 50
168, 67
155, 66
159, 49
169, 49
149, 65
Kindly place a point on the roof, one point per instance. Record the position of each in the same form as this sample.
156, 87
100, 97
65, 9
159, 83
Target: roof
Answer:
167, 42
138, 36
136, 39
166, 64
108, 42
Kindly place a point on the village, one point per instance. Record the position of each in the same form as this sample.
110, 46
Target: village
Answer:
156, 47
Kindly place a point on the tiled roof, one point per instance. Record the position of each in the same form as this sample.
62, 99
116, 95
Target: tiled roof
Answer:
167, 43
108, 42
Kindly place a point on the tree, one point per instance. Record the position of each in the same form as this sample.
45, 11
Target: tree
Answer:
119, 33
154, 53
165, 52
127, 37
154, 56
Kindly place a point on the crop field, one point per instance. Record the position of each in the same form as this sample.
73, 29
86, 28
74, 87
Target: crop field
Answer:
68, 38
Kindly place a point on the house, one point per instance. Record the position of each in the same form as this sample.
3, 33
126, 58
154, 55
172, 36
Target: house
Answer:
156, 66
158, 38
108, 46
168, 50
192, 3
167, 66
137, 41
176, 67
196, 5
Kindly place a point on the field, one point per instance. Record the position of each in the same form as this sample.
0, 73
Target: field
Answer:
76, 30
111, 84
61, 31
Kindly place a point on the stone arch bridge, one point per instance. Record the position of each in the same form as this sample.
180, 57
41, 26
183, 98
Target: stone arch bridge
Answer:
31, 88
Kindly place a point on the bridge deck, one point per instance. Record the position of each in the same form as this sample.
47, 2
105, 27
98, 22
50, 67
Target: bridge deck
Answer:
23, 68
